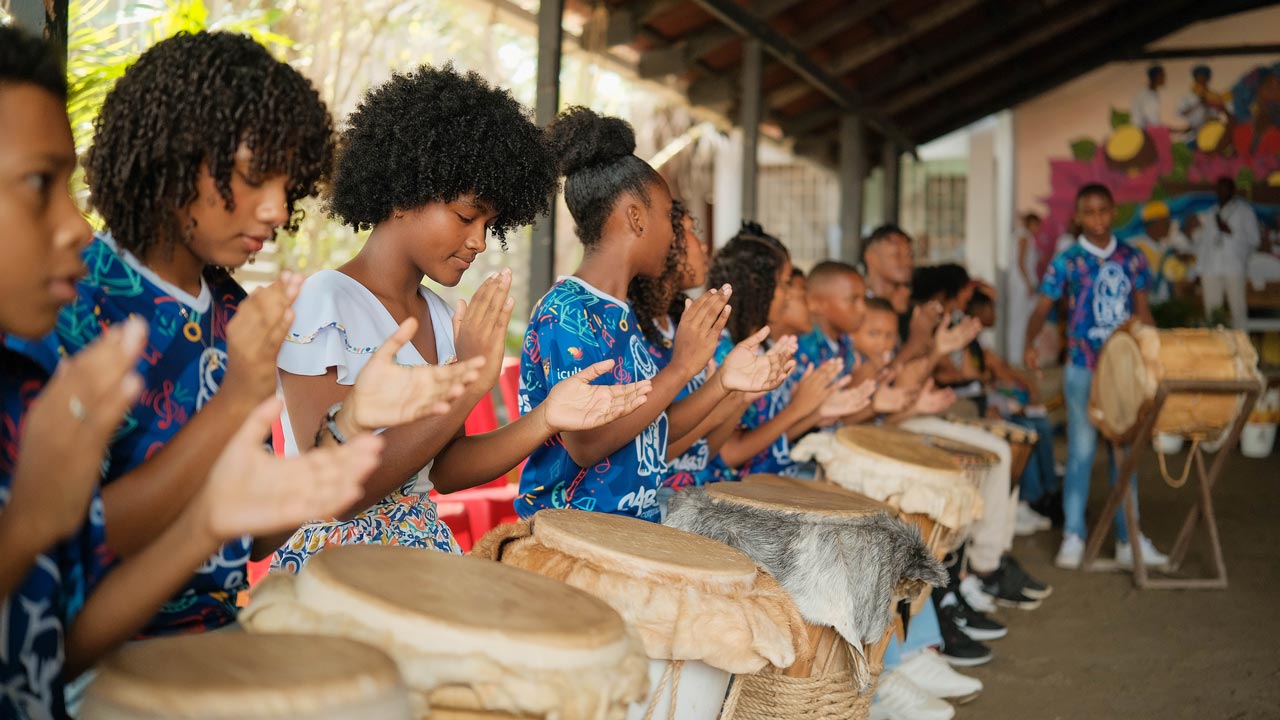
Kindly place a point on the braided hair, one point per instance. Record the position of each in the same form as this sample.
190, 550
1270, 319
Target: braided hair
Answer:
750, 263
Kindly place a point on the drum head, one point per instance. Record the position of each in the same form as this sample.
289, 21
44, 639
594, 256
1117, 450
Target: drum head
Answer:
236, 674
892, 444
770, 496
963, 453
622, 543
1119, 393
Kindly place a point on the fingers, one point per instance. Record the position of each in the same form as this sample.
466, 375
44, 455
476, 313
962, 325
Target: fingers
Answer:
593, 371
386, 352
258, 424
756, 339
842, 382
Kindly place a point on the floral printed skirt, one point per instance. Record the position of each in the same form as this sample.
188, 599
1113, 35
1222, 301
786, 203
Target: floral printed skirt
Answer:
402, 518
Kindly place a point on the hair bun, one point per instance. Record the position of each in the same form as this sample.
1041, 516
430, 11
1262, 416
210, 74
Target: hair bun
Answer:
580, 138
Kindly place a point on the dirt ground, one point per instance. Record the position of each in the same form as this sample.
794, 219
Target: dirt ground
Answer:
1100, 648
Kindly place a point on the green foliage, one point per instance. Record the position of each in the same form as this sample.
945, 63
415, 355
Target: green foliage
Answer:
1084, 149
1124, 213
1245, 180
1119, 118
1182, 158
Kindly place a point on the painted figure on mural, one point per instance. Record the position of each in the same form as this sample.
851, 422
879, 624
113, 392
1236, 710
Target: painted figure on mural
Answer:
1144, 111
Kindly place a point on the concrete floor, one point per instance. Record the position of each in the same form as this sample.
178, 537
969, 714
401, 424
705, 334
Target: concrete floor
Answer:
1100, 648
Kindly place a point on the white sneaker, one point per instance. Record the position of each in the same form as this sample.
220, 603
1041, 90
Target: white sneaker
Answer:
1071, 552
1028, 521
1151, 557
934, 675
971, 589
897, 698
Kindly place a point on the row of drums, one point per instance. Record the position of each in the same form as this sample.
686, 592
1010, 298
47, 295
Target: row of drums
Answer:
769, 598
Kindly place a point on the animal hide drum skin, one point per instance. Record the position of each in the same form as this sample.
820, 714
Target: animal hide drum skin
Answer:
842, 572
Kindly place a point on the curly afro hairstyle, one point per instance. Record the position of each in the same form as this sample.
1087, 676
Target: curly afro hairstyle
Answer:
750, 263
433, 135
597, 158
26, 59
190, 101
652, 298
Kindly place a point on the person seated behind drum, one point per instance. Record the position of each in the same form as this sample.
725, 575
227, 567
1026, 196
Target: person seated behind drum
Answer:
659, 303
1105, 282
1039, 490
621, 208
758, 266
61, 611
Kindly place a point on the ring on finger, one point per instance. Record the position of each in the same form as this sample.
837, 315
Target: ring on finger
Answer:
77, 408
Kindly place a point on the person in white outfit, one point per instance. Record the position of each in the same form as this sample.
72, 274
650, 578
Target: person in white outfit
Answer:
1144, 111
1027, 283
1224, 238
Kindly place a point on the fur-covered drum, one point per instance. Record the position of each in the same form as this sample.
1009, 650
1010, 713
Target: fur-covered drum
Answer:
236, 676
703, 609
845, 560
469, 635
1137, 358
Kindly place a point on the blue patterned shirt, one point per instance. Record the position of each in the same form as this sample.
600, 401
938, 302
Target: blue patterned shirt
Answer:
1099, 285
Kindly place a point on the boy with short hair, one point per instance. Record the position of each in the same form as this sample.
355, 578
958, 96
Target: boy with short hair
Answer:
1105, 282
836, 301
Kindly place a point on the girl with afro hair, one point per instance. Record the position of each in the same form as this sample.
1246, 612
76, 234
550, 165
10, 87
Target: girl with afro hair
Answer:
58, 612
659, 304
199, 155
433, 161
622, 210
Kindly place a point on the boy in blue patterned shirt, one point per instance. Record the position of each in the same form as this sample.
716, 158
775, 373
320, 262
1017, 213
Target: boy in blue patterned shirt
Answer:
1105, 282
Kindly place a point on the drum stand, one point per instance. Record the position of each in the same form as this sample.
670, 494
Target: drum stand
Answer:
1206, 477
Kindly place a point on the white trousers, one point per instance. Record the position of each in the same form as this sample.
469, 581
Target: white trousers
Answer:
1215, 287
991, 536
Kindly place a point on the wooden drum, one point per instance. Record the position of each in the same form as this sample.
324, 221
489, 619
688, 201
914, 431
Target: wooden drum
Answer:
976, 463
235, 676
1022, 441
845, 560
1138, 357
470, 636
702, 609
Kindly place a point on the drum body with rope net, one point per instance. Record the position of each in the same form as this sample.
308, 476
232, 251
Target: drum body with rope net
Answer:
1137, 358
471, 637
976, 464
702, 609
236, 676
1022, 441
845, 560
924, 484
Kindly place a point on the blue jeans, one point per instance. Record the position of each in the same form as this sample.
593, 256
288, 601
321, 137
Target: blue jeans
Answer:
1040, 478
923, 632
1082, 445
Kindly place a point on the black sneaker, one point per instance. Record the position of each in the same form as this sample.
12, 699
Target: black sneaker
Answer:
1006, 590
975, 624
1031, 587
958, 648
1050, 506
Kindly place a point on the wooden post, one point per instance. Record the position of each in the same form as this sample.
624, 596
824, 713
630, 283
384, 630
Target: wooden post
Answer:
543, 254
47, 18
752, 68
853, 170
892, 181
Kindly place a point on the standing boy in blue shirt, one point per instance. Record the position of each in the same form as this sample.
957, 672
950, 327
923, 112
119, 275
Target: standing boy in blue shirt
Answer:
1105, 282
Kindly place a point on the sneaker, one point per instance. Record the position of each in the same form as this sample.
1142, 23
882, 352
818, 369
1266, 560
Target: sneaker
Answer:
933, 675
1028, 521
1005, 588
897, 698
1151, 557
1031, 587
958, 648
974, 596
1071, 552
975, 624
1050, 506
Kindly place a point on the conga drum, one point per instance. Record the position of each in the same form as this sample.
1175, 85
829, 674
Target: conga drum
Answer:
845, 560
924, 484
470, 636
236, 676
1022, 441
976, 464
1137, 358
702, 609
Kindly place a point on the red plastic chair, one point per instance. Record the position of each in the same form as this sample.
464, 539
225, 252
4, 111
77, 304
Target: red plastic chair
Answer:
456, 516
509, 385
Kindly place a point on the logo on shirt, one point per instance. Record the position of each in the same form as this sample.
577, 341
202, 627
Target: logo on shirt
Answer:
1111, 291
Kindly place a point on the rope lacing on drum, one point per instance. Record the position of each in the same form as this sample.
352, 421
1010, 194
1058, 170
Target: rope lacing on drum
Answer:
672, 673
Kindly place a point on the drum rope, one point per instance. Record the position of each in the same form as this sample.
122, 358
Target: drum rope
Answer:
1186, 469
778, 697
671, 673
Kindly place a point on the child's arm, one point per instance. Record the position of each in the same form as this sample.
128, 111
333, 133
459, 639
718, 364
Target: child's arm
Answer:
1005, 372
1035, 324
1142, 307
807, 398
45, 508
729, 409
248, 492
140, 504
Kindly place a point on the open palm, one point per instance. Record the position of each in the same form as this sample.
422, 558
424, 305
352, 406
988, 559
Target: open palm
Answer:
746, 369
576, 404
933, 400
387, 393
847, 400
949, 338
251, 492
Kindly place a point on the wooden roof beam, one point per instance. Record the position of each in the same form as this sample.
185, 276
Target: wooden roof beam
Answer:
679, 55
744, 22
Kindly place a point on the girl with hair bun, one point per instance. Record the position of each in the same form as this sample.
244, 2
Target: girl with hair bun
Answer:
622, 210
